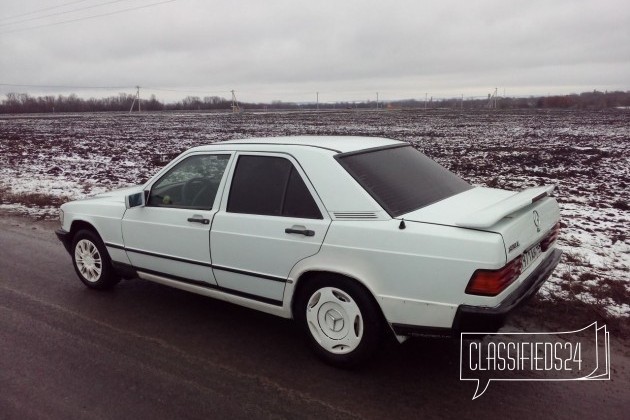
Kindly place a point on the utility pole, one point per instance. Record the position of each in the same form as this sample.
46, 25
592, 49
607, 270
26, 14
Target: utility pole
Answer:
235, 107
377, 100
317, 93
492, 100
136, 98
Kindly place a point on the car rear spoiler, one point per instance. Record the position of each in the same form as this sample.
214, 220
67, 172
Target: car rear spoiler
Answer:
490, 215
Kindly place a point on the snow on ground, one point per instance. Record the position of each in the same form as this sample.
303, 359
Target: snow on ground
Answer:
48, 159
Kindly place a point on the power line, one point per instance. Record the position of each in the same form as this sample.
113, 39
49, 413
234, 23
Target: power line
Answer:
65, 87
61, 13
201, 91
89, 17
42, 10
185, 90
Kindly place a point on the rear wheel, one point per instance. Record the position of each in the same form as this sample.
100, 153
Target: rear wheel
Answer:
341, 320
91, 261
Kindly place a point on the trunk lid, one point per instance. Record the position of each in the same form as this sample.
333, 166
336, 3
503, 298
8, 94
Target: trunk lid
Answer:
521, 218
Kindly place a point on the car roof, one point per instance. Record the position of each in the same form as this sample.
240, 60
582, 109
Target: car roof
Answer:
339, 144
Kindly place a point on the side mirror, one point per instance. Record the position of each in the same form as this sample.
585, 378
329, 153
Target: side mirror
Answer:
134, 200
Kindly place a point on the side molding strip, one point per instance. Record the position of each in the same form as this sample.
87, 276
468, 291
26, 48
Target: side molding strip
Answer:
204, 264
205, 285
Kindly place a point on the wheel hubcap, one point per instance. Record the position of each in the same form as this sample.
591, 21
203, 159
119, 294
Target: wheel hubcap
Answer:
88, 260
334, 320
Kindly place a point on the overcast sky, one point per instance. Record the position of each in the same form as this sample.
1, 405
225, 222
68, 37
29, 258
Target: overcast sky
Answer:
288, 50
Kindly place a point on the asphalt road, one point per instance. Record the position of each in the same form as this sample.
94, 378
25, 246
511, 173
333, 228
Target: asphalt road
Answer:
147, 351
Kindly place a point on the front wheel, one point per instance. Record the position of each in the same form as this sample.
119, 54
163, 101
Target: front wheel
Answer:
91, 261
341, 320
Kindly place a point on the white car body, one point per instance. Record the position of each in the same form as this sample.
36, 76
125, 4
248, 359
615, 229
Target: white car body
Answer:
416, 265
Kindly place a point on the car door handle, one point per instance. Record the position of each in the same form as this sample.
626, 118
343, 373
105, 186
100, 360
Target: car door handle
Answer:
199, 219
305, 232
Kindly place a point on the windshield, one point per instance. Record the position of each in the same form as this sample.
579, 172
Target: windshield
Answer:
401, 179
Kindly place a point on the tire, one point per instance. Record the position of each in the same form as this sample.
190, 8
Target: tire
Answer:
343, 324
91, 261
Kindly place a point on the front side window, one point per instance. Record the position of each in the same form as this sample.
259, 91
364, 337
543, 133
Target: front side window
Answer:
192, 183
270, 186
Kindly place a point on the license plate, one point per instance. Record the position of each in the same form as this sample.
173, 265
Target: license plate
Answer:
530, 256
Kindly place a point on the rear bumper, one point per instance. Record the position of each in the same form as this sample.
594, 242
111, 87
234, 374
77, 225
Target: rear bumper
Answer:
483, 319
65, 238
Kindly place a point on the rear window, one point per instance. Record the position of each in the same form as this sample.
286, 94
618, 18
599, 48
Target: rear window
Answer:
401, 179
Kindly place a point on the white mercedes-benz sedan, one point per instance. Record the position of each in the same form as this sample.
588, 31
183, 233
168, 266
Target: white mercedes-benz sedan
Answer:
353, 237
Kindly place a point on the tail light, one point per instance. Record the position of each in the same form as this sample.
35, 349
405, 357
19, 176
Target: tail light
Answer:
493, 282
550, 238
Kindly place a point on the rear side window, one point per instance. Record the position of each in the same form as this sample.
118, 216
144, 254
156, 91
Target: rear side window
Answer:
270, 186
401, 179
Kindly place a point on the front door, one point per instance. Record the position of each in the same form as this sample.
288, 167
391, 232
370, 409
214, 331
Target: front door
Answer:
270, 221
170, 235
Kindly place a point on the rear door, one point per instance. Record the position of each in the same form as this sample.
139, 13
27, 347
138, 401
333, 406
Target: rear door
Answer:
271, 219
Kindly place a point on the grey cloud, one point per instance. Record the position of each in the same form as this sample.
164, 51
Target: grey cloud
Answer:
444, 46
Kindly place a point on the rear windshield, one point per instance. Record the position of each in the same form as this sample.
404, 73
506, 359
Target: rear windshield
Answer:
401, 179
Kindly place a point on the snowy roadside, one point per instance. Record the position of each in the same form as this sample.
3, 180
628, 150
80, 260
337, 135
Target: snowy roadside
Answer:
46, 160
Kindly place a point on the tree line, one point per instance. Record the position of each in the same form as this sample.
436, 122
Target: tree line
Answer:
15, 103
585, 100
24, 103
